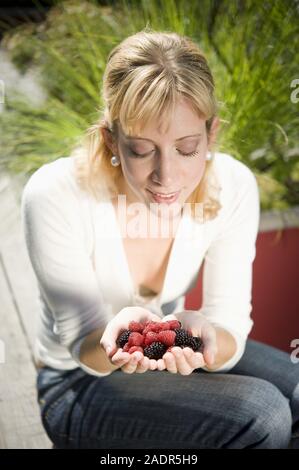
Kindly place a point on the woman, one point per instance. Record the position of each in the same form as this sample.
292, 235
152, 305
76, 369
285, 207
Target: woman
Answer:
183, 204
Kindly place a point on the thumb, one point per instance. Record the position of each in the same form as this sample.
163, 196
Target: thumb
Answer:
108, 344
209, 356
110, 350
210, 345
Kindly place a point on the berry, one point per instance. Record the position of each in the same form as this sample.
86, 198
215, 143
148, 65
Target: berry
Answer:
135, 339
135, 348
164, 326
126, 347
151, 326
150, 337
155, 350
136, 326
173, 324
196, 344
123, 338
167, 337
182, 337
153, 339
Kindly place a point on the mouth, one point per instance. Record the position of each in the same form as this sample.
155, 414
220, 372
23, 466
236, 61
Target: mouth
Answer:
167, 198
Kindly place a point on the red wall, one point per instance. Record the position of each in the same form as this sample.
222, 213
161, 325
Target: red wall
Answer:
275, 293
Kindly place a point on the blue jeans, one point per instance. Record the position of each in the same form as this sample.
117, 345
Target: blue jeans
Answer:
255, 405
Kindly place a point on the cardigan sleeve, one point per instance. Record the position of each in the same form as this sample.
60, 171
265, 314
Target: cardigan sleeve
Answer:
66, 279
227, 276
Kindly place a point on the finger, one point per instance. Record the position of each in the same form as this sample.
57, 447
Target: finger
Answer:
210, 344
183, 366
108, 347
143, 365
209, 356
120, 357
194, 359
170, 362
161, 364
108, 339
123, 357
153, 364
131, 366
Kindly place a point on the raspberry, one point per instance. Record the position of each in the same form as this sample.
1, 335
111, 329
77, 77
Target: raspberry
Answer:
167, 337
173, 324
123, 338
152, 326
155, 350
136, 326
135, 339
164, 326
150, 337
126, 347
135, 348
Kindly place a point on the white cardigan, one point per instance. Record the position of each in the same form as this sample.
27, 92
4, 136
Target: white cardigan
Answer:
75, 247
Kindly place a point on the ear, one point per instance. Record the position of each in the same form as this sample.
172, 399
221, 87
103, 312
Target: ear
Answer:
213, 132
109, 140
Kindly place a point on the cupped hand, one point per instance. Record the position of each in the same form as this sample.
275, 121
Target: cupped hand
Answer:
136, 362
185, 360
181, 360
129, 363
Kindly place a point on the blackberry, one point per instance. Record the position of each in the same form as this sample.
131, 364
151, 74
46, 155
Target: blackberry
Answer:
182, 337
155, 350
196, 344
123, 338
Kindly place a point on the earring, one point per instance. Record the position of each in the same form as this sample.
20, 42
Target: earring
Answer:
115, 161
209, 156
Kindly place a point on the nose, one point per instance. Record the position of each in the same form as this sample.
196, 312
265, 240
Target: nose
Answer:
164, 172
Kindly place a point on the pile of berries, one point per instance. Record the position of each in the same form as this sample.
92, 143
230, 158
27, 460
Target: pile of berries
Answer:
154, 339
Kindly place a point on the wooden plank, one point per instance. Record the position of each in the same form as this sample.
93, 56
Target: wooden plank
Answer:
20, 423
8, 210
19, 272
23, 284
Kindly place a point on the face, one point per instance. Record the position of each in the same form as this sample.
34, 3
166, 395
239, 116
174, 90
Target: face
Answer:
155, 162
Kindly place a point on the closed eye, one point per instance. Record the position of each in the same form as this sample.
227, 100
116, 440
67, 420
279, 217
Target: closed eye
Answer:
138, 155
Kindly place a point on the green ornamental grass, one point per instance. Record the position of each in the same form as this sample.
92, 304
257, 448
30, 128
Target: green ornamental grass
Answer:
252, 48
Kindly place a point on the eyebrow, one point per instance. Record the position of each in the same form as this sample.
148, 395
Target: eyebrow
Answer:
143, 138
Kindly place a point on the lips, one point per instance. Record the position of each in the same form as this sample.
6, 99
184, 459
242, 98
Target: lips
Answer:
167, 198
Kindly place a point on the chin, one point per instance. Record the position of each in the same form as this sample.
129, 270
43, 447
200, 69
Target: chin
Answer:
170, 212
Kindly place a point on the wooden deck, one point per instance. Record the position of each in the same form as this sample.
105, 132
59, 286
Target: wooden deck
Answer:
20, 423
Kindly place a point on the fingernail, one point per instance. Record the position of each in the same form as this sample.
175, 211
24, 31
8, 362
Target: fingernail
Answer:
108, 350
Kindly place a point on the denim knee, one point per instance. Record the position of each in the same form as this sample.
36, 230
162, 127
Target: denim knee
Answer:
271, 418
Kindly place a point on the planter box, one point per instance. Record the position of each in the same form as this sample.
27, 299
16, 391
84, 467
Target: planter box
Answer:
275, 293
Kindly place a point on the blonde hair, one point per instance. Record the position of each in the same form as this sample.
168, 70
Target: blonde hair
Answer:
144, 76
